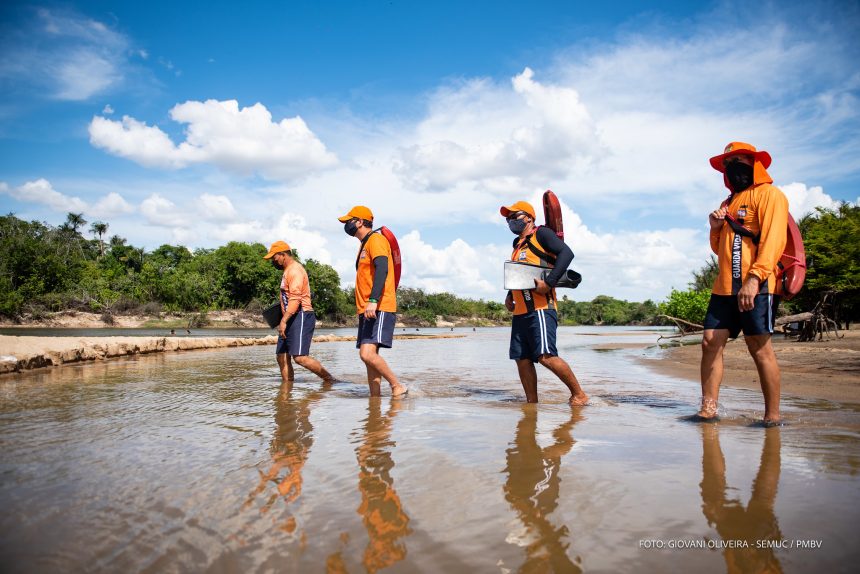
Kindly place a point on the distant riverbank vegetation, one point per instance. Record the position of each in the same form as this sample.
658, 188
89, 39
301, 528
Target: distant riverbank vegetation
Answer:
78, 266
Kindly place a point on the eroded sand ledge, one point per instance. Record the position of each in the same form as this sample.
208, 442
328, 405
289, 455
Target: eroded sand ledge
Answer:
24, 353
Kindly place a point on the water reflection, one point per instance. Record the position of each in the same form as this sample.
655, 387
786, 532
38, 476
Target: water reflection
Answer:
290, 448
532, 489
381, 509
754, 523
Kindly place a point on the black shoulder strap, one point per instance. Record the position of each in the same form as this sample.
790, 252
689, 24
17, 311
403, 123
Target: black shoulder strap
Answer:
542, 255
361, 247
737, 227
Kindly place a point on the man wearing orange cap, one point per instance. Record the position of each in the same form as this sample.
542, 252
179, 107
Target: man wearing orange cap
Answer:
748, 234
533, 328
296, 329
375, 298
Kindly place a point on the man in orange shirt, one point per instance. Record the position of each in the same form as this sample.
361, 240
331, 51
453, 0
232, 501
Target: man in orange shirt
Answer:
535, 321
296, 329
748, 234
375, 298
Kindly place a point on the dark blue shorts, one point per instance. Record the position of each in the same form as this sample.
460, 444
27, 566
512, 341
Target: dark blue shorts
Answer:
379, 331
533, 335
300, 331
723, 313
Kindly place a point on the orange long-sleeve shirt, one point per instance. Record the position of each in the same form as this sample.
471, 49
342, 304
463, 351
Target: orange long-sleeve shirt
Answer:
763, 209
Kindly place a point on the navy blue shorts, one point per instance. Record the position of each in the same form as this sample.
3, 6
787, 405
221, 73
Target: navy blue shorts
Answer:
379, 331
723, 313
533, 335
300, 331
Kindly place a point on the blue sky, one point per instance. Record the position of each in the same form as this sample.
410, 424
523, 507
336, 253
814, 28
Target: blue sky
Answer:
200, 123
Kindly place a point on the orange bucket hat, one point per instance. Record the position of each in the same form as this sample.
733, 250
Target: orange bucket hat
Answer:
277, 247
740, 148
524, 206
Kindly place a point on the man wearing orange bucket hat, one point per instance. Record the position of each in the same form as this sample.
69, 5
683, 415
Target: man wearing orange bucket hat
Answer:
748, 234
375, 298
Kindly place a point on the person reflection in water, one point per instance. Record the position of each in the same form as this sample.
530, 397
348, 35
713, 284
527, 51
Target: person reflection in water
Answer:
381, 509
757, 522
290, 449
532, 490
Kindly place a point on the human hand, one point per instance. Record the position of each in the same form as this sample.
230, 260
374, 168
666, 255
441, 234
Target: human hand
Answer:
370, 310
717, 217
282, 328
509, 302
542, 286
746, 296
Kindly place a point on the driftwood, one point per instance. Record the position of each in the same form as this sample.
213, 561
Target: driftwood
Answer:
685, 327
820, 324
799, 318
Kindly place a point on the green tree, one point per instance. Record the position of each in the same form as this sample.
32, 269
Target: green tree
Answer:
831, 238
100, 228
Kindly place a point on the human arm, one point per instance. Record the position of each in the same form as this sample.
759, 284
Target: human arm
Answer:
563, 258
716, 219
380, 273
293, 282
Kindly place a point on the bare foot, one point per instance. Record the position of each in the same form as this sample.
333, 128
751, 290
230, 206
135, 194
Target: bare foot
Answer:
398, 391
708, 410
579, 400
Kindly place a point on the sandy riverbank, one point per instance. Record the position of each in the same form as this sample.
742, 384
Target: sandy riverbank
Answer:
25, 353
823, 370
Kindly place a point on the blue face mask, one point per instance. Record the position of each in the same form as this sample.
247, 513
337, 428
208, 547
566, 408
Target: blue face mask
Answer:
517, 226
351, 227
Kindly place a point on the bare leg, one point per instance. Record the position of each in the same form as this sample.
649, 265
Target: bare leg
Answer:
374, 381
762, 353
528, 378
313, 366
713, 343
562, 370
377, 368
287, 374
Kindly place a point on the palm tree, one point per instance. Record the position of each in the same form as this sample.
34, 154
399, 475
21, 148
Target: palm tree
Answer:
100, 228
75, 221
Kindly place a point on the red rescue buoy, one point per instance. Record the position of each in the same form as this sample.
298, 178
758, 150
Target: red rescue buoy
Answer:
552, 213
395, 253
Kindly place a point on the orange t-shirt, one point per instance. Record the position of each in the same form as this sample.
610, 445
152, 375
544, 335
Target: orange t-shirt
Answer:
376, 246
296, 289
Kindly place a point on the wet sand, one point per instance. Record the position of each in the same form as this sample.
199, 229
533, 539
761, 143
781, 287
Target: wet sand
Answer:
827, 369
24, 353
203, 462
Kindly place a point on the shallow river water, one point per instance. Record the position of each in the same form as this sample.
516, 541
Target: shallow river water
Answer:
201, 462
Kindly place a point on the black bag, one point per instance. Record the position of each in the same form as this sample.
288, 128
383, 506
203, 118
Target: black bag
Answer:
273, 315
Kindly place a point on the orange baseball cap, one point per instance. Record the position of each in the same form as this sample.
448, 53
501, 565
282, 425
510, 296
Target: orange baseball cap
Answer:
740, 148
518, 206
359, 211
277, 247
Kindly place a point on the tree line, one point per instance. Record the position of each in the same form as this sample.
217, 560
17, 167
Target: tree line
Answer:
54, 268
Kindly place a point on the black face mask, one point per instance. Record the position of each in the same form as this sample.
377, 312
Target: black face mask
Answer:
351, 227
517, 226
740, 175
277, 265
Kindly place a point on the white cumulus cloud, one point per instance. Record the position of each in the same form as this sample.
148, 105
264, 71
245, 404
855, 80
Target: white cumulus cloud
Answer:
803, 200
217, 208
243, 140
42, 192
502, 137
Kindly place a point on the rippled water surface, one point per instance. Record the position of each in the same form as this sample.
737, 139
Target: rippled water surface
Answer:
201, 462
